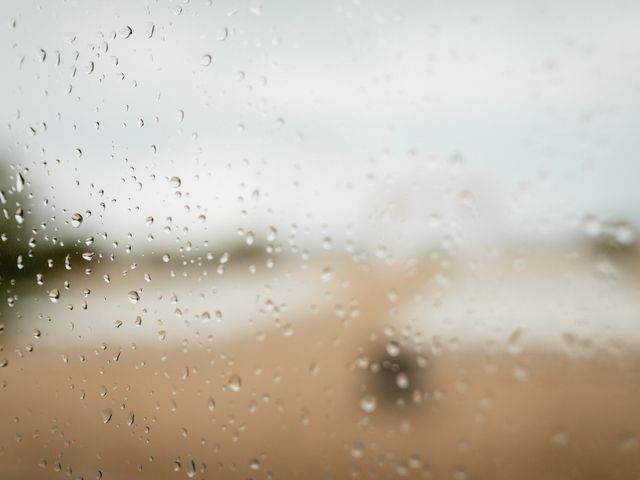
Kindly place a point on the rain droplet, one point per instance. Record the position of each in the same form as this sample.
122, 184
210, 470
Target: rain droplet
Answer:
175, 182
19, 182
357, 449
205, 61
234, 383
393, 348
107, 413
19, 216
134, 297
76, 220
54, 295
125, 32
149, 29
402, 380
222, 34
368, 403
191, 468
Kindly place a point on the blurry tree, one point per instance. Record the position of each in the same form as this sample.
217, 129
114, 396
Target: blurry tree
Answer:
24, 250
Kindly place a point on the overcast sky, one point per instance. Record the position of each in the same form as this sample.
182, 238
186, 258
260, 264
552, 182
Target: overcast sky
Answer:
390, 121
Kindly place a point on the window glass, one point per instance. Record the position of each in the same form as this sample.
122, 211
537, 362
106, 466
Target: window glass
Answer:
334, 239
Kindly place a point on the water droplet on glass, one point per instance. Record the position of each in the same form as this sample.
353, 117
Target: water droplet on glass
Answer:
125, 32
357, 449
368, 403
133, 296
54, 295
19, 182
393, 348
234, 383
205, 61
149, 29
19, 216
402, 380
107, 413
222, 34
76, 220
175, 182
190, 468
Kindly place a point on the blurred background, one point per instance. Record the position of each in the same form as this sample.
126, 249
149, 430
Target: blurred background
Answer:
325, 240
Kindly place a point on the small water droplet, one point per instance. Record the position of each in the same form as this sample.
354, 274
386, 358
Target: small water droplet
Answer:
54, 295
234, 383
76, 220
393, 348
133, 296
149, 29
19, 216
19, 182
222, 34
402, 380
205, 61
107, 413
357, 449
125, 32
368, 403
191, 468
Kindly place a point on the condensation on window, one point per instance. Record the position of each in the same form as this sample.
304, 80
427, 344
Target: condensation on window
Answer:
319, 240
